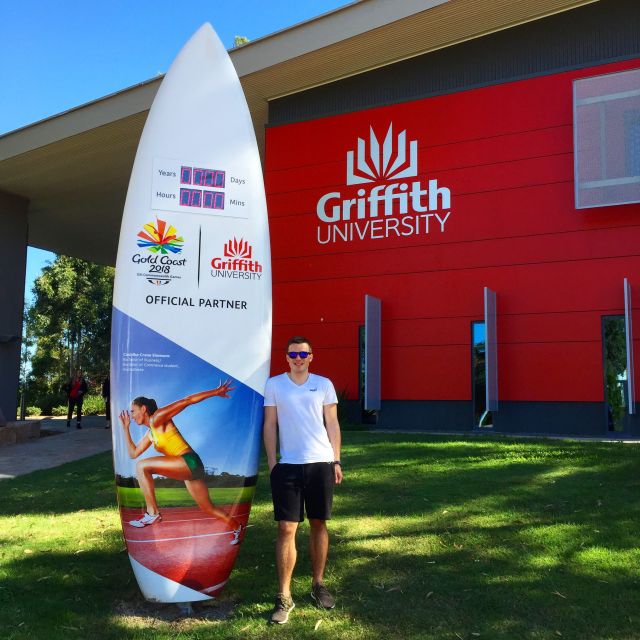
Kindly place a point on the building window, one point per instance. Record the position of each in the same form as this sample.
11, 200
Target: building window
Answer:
361, 363
632, 137
606, 131
615, 372
366, 416
481, 417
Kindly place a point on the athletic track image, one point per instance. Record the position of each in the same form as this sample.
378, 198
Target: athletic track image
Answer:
187, 545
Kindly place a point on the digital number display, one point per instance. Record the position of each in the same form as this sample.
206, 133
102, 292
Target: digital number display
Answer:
202, 177
185, 175
191, 197
213, 200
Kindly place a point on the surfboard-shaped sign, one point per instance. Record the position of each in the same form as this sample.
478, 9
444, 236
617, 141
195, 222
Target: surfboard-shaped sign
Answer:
191, 333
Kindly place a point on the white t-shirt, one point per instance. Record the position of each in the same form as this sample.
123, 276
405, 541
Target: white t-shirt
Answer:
303, 437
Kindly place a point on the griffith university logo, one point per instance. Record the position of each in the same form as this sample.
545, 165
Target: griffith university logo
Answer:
161, 240
390, 204
390, 163
236, 262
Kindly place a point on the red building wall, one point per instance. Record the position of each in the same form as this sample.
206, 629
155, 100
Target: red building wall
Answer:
506, 154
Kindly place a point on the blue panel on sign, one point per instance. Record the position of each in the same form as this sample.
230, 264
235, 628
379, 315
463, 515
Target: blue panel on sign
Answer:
203, 177
198, 177
191, 197
185, 175
213, 200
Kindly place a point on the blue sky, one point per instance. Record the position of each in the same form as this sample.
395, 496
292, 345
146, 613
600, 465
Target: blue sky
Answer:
58, 55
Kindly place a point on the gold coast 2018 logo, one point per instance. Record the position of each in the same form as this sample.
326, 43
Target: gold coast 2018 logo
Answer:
397, 204
161, 242
236, 262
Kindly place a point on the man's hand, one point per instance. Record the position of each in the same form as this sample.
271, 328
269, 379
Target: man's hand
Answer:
270, 431
337, 470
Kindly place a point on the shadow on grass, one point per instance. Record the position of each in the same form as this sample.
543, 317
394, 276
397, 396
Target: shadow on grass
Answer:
85, 484
433, 538
453, 593
524, 540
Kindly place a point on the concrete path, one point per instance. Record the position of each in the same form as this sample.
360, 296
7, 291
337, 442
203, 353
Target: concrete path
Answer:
66, 445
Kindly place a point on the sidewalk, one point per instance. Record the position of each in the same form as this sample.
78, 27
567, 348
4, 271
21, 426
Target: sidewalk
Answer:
50, 451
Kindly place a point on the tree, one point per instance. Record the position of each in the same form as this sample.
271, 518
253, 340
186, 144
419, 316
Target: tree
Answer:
26, 350
238, 41
70, 324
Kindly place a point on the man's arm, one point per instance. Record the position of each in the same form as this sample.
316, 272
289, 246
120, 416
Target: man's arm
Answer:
333, 431
270, 435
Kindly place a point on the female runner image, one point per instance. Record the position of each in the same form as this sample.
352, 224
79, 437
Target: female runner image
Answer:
179, 461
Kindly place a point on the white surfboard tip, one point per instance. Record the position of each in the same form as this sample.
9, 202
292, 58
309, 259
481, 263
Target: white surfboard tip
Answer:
205, 27
206, 32
157, 588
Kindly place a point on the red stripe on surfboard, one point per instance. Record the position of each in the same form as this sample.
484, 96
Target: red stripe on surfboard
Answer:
187, 546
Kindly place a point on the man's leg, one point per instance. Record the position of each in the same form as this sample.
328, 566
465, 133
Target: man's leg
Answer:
286, 490
69, 412
79, 413
107, 404
286, 555
320, 480
318, 548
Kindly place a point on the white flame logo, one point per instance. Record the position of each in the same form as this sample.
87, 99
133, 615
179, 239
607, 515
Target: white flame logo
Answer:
383, 164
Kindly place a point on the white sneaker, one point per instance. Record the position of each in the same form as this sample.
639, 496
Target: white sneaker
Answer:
236, 535
146, 520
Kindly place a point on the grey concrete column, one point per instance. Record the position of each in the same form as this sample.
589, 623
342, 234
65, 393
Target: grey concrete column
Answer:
13, 263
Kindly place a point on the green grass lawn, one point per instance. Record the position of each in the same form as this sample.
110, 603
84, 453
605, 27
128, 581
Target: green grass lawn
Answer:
433, 537
174, 497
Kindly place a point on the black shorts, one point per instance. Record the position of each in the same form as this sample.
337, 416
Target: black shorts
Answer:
296, 487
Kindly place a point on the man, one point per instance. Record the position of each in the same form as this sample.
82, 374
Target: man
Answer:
75, 390
302, 409
106, 396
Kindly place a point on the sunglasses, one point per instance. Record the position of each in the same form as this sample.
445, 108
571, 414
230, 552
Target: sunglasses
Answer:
303, 354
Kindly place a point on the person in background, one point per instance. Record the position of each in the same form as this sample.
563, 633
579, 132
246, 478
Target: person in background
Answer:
106, 395
75, 390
